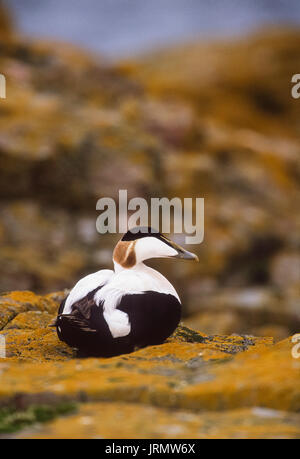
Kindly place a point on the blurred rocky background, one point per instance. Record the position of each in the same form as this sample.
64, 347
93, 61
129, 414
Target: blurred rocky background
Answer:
212, 118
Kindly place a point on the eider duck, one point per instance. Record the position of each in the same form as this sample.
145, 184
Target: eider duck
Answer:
110, 313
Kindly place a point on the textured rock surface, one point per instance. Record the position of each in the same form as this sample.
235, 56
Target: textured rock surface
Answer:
98, 420
213, 120
5, 25
191, 372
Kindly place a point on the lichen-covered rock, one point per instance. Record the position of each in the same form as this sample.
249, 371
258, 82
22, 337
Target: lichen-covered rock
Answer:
209, 120
117, 421
194, 376
241, 153
63, 134
31, 320
26, 321
285, 270
15, 303
249, 310
72, 244
5, 24
201, 120
237, 82
190, 372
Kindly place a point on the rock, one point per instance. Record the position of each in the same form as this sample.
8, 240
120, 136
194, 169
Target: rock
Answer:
278, 332
242, 150
249, 77
191, 373
24, 320
206, 120
55, 264
5, 23
200, 120
215, 322
16, 303
98, 421
249, 310
228, 322
32, 320
285, 269
63, 134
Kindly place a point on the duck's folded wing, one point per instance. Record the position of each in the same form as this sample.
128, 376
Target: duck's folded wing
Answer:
87, 330
75, 331
75, 327
81, 308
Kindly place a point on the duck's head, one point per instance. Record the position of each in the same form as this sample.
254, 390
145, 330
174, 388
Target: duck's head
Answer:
142, 243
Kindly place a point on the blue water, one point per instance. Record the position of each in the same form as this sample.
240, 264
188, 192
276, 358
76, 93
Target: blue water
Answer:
124, 27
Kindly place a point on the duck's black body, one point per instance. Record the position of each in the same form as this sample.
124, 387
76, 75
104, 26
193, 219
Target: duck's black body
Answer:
153, 317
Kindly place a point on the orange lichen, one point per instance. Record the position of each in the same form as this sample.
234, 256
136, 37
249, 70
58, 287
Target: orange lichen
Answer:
16, 303
31, 320
122, 420
261, 377
167, 374
190, 371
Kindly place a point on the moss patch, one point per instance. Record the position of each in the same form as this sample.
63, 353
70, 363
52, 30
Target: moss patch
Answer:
13, 420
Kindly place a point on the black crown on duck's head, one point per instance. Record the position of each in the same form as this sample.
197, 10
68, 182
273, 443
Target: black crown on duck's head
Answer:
140, 232
146, 231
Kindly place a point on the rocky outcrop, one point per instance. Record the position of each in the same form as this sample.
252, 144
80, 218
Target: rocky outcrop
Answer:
209, 120
191, 373
98, 420
6, 30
